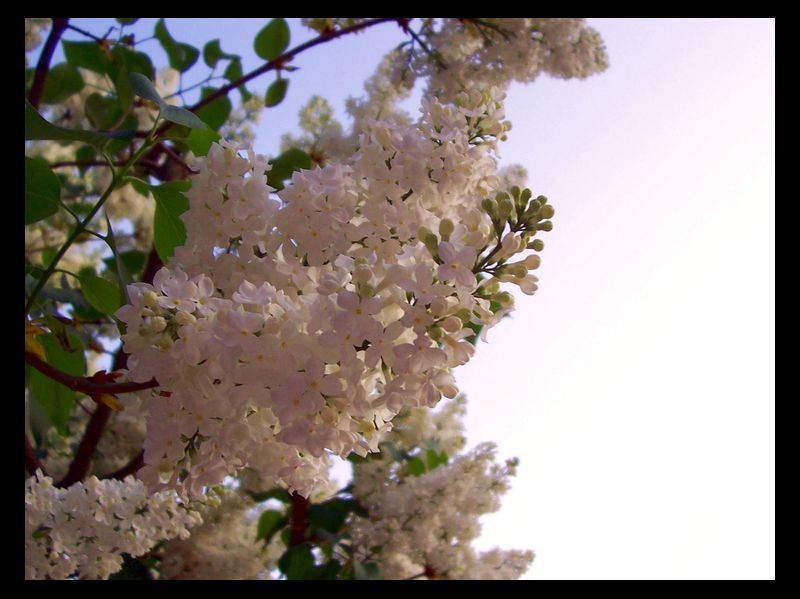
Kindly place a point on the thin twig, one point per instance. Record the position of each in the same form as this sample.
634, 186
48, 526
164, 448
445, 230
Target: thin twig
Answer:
279, 62
99, 40
130, 468
84, 384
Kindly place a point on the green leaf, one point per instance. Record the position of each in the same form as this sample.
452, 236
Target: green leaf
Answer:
123, 86
123, 58
181, 56
127, 21
62, 81
332, 514
84, 154
104, 296
215, 114
272, 40
36, 127
143, 87
88, 55
297, 563
415, 466
234, 70
366, 571
182, 116
435, 458
132, 260
269, 523
169, 231
200, 140
102, 111
277, 493
276, 92
285, 164
55, 399
212, 53
42, 190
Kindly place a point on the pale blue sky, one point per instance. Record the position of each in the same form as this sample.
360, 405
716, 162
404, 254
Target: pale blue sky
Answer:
638, 385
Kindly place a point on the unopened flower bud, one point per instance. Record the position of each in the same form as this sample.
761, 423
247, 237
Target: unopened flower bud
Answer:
184, 318
515, 270
545, 226
490, 206
505, 206
504, 298
547, 211
435, 333
536, 244
493, 286
157, 324
446, 228
532, 262
149, 299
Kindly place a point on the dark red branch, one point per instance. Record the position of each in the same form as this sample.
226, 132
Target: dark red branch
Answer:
130, 468
79, 467
83, 384
299, 523
35, 95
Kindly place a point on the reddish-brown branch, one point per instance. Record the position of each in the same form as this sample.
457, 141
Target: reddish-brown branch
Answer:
32, 463
83, 384
130, 468
299, 523
37, 87
79, 467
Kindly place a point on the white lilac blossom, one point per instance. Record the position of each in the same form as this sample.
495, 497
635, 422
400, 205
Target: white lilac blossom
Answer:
87, 527
287, 329
424, 525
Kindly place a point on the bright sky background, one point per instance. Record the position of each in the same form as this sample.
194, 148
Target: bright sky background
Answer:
638, 385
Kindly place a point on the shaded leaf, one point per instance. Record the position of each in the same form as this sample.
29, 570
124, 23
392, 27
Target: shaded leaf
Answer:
269, 523
415, 466
132, 260
143, 87
181, 56
62, 81
103, 295
366, 571
233, 70
127, 21
182, 116
102, 111
216, 113
88, 55
284, 165
200, 140
36, 127
276, 92
125, 58
169, 231
55, 399
42, 190
297, 563
272, 40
